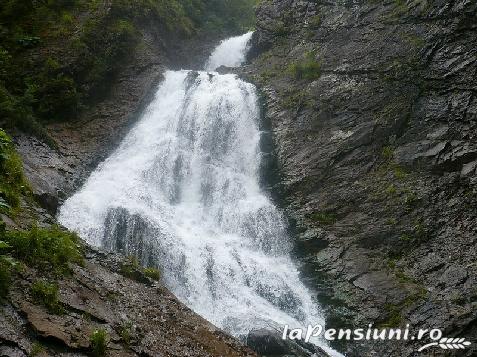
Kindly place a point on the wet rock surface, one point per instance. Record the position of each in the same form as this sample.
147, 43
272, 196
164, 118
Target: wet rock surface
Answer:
375, 142
270, 343
140, 318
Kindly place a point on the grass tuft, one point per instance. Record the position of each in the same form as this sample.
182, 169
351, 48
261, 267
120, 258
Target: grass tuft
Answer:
99, 340
46, 294
307, 69
48, 249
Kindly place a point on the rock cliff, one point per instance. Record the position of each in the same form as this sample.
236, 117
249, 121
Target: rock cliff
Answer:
373, 110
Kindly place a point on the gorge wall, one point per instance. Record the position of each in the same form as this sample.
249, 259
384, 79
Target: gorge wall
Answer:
374, 114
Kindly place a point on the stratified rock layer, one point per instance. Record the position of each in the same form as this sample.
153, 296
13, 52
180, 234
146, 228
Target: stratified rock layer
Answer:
377, 148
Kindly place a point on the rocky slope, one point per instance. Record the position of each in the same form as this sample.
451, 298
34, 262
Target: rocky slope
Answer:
139, 316
373, 110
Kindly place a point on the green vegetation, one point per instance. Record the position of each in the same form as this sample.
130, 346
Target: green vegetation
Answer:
36, 350
395, 312
132, 269
12, 182
49, 249
394, 318
99, 340
323, 218
126, 332
419, 233
294, 100
315, 21
307, 69
280, 29
152, 273
391, 190
46, 294
400, 8
59, 56
410, 200
387, 153
6, 266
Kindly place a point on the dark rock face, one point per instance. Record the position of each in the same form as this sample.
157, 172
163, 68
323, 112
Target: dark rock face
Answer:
376, 143
269, 343
128, 234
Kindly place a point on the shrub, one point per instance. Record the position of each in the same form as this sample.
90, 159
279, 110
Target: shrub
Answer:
387, 153
36, 350
51, 248
324, 218
99, 343
12, 182
57, 97
132, 269
46, 294
315, 21
5, 276
152, 273
31, 31
306, 69
126, 332
5, 264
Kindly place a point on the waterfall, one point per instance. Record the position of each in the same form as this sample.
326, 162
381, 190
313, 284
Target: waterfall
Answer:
230, 52
182, 193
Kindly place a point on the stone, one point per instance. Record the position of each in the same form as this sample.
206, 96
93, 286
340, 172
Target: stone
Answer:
267, 342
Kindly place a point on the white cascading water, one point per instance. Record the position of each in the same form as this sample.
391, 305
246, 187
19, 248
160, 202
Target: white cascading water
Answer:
230, 52
182, 193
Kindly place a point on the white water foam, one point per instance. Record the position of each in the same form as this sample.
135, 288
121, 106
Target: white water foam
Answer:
230, 53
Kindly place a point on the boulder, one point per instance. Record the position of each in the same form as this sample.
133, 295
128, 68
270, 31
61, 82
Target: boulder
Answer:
267, 342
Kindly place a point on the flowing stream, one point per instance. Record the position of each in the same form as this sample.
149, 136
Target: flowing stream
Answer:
182, 193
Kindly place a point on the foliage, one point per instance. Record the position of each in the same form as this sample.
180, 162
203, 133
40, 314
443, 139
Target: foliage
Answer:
50, 249
99, 342
5, 275
307, 69
36, 350
323, 218
12, 182
387, 153
132, 269
6, 264
46, 294
60, 56
152, 273
223, 17
126, 332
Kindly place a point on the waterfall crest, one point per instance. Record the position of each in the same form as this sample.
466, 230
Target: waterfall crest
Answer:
230, 52
182, 194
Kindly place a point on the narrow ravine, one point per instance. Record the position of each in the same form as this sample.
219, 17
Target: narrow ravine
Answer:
182, 193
